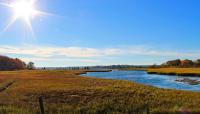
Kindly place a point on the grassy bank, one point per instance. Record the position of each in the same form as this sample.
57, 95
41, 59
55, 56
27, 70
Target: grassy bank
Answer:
175, 71
67, 93
139, 69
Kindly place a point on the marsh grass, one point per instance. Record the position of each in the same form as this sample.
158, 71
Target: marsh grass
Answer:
65, 92
175, 71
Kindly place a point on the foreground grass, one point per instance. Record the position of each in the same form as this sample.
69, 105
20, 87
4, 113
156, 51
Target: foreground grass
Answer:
67, 93
176, 71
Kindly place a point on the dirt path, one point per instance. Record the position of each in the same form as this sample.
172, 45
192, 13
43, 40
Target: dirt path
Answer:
6, 86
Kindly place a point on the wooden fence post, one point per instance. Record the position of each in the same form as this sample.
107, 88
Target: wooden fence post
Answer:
147, 110
41, 104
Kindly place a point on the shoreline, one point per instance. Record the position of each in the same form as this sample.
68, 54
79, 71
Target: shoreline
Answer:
86, 71
193, 72
176, 74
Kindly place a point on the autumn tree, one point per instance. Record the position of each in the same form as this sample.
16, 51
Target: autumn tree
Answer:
181, 63
187, 63
174, 63
7, 63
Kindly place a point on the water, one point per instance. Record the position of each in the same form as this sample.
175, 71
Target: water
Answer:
160, 81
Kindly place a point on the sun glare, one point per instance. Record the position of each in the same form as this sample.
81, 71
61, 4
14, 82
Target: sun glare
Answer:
23, 9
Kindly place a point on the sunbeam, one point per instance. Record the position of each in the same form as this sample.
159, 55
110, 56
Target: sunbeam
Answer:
25, 10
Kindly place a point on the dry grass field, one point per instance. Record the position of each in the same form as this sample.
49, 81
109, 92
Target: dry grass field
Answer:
176, 71
65, 92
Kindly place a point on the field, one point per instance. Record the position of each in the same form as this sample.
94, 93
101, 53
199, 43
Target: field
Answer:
65, 92
176, 71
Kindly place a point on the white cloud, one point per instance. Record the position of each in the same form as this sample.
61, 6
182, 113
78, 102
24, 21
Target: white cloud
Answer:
90, 55
38, 59
158, 52
42, 51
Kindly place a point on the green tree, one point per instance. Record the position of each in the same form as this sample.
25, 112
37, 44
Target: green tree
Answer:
30, 66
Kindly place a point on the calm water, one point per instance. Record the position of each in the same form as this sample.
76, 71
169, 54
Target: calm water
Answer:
161, 81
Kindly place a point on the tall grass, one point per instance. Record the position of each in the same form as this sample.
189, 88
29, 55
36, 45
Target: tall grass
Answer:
176, 71
65, 92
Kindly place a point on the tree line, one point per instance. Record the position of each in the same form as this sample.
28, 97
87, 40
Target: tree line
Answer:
181, 63
7, 63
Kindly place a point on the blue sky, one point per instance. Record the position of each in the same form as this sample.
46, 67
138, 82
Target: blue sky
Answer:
104, 32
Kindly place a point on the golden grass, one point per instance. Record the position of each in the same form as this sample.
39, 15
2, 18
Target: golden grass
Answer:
176, 71
67, 93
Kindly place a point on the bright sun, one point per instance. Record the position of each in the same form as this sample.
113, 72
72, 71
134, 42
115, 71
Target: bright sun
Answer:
23, 9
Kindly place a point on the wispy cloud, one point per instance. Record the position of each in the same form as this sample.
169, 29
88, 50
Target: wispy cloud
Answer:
148, 51
89, 55
59, 60
42, 51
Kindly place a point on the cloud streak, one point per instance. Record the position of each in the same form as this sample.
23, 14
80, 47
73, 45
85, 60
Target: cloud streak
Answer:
82, 54
41, 51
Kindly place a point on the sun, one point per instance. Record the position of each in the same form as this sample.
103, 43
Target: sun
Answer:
25, 10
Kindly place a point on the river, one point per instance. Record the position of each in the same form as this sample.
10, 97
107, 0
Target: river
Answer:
160, 81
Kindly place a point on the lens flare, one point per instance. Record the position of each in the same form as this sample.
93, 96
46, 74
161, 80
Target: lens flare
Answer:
25, 10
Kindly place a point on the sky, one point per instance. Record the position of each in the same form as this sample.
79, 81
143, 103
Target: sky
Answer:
104, 32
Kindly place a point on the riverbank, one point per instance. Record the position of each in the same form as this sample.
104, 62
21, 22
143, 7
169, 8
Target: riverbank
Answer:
86, 71
66, 92
175, 71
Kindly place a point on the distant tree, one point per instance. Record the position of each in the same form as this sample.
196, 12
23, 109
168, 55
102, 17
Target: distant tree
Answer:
30, 66
163, 65
181, 63
174, 63
7, 63
154, 66
19, 64
187, 63
197, 63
